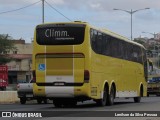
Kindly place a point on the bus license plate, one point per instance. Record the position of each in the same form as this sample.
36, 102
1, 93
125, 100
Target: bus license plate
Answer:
59, 84
29, 95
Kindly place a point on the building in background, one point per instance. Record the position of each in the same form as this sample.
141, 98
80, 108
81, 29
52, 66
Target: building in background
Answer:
153, 50
157, 36
19, 69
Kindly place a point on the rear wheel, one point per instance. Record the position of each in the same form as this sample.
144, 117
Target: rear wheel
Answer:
73, 104
102, 102
39, 101
57, 103
45, 101
111, 96
138, 99
69, 103
158, 94
23, 100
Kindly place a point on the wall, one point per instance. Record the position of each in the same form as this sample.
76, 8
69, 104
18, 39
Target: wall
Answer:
21, 65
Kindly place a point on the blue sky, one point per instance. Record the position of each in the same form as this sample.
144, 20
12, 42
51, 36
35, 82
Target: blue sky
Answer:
100, 13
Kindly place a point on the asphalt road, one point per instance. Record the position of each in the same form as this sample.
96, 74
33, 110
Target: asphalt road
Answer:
121, 105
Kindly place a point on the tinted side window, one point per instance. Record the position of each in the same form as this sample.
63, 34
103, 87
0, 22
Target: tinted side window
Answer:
107, 45
130, 51
108, 50
93, 37
97, 41
140, 59
125, 50
135, 54
120, 49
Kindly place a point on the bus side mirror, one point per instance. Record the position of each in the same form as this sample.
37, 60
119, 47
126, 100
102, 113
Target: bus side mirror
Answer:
151, 66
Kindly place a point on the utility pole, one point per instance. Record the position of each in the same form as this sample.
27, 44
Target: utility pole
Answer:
131, 24
43, 11
131, 12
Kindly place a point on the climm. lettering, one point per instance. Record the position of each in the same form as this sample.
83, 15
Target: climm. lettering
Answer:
54, 33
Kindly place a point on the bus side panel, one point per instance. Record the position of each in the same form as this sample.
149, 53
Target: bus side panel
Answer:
140, 79
131, 77
95, 75
78, 70
105, 69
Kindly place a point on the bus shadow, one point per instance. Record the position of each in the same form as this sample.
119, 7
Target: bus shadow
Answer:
89, 105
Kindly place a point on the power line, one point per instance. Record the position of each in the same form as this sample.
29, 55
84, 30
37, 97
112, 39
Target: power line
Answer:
57, 11
20, 8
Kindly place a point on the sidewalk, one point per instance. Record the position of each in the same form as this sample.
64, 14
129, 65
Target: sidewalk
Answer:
8, 97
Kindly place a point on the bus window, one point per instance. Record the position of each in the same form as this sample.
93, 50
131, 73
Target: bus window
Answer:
60, 34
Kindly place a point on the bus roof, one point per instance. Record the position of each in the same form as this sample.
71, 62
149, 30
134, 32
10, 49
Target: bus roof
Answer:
113, 34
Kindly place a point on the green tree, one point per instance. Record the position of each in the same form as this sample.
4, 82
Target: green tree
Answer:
6, 45
139, 41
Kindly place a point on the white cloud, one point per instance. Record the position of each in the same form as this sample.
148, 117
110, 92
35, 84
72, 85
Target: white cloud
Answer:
58, 2
95, 5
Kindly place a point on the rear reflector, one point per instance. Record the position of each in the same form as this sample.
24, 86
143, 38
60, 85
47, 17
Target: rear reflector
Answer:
86, 76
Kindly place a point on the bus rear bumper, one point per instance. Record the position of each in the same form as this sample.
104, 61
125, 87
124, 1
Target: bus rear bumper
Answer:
62, 91
59, 91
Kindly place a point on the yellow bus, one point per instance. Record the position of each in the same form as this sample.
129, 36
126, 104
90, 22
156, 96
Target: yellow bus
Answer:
74, 61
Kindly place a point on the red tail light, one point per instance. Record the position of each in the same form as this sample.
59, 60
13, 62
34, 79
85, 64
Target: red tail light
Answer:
86, 76
34, 75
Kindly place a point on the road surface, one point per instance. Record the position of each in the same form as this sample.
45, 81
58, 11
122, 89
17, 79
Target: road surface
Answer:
89, 108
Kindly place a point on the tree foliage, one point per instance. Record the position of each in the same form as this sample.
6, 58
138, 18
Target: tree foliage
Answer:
139, 41
6, 45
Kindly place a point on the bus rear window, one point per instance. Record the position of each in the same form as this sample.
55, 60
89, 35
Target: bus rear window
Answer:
60, 34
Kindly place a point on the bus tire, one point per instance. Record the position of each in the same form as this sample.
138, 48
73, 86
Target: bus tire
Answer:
39, 101
158, 94
45, 101
73, 103
102, 102
69, 103
23, 100
111, 96
57, 103
138, 99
